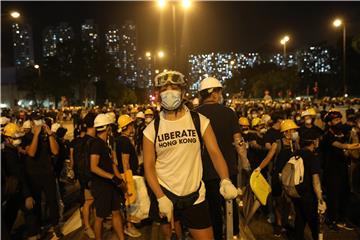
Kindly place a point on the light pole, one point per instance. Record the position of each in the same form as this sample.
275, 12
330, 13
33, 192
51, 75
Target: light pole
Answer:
283, 41
185, 4
338, 23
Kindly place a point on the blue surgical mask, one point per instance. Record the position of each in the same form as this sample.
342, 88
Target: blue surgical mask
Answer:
170, 99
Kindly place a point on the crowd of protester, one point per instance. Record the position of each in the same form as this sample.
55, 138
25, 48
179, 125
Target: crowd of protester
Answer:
111, 145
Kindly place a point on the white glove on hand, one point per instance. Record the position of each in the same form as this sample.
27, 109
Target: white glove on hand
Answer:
165, 207
227, 189
321, 206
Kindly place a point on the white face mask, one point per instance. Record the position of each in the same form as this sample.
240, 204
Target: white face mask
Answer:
221, 99
148, 120
170, 99
294, 136
38, 122
16, 142
308, 121
263, 130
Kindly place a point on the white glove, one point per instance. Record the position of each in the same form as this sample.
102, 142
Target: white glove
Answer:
165, 207
227, 189
321, 206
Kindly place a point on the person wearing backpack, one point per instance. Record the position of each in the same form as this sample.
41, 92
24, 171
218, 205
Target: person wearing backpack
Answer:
173, 166
106, 181
281, 151
81, 159
309, 202
226, 128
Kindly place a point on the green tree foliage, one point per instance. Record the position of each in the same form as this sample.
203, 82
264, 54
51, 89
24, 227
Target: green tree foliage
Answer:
264, 77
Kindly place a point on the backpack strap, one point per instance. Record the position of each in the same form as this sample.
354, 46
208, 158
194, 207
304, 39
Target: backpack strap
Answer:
196, 120
156, 126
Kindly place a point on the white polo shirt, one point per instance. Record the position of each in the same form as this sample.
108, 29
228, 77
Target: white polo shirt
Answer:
178, 164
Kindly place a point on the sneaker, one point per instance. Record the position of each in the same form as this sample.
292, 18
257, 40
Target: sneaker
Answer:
134, 219
89, 232
345, 226
132, 232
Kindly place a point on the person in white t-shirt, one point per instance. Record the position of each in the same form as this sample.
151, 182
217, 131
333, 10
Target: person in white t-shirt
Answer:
173, 166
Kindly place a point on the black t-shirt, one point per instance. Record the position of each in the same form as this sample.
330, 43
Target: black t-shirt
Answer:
41, 162
272, 135
124, 145
100, 147
303, 130
311, 167
225, 124
334, 157
255, 156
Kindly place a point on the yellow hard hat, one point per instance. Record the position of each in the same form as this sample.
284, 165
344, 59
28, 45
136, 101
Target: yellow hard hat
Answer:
124, 120
266, 118
134, 110
12, 130
255, 122
148, 112
243, 121
288, 124
308, 112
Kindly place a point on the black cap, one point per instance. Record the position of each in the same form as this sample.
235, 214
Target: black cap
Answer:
36, 116
89, 120
61, 132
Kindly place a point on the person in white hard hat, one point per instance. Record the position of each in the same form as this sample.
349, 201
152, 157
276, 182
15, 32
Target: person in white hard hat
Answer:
106, 181
227, 132
173, 166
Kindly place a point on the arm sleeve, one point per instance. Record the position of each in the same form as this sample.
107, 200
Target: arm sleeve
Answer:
95, 147
234, 122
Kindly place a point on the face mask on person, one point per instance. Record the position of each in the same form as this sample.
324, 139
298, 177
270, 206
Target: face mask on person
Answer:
148, 120
38, 122
263, 130
308, 121
337, 127
294, 136
170, 99
16, 142
254, 115
245, 130
221, 99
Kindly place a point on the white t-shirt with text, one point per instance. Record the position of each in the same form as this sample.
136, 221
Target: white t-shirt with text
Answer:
178, 165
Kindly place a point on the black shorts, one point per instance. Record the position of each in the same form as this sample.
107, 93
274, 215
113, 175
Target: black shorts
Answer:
107, 198
196, 216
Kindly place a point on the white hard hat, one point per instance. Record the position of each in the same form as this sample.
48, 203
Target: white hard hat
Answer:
140, 115
209, 83
55, 127
26, 124
102, 120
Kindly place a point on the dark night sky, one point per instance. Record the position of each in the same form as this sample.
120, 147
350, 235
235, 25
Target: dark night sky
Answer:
210, 26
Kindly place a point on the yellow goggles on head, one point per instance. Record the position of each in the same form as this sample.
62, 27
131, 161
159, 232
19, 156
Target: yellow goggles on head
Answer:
169, 77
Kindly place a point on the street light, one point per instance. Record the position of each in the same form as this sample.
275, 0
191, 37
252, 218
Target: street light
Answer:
15, 14
161, 3
148, 54
161, 54
283, 42
186, 4
36, 66
338, 23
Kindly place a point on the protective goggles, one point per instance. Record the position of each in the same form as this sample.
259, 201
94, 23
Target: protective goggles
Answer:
170, 77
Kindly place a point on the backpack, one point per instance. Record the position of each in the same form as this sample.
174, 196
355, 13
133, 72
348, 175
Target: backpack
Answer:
82, 159
196, 120
292, 175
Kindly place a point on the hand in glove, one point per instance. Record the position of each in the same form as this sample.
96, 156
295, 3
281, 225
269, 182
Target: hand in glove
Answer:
165, 207
321, 206
227, 189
